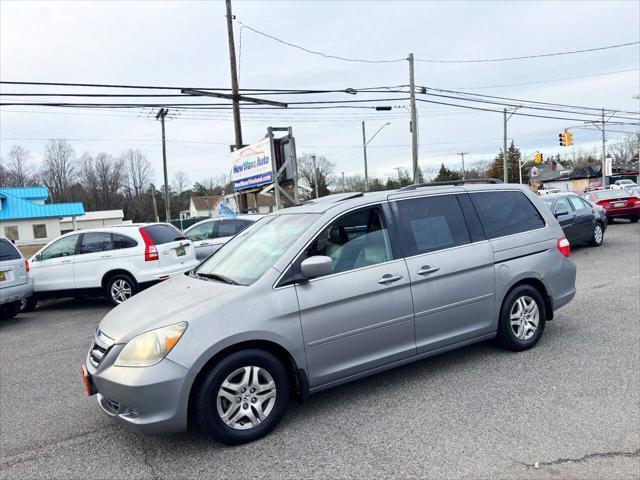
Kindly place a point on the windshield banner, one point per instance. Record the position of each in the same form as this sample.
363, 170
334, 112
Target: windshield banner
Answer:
252, 165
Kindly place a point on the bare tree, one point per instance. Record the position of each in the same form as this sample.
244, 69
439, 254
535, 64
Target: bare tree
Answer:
325, 172
4, 174
18, 168
626, 151
180, 185
139, 173
58, 169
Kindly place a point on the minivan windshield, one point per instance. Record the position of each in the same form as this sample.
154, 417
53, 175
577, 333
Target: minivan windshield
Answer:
253, 251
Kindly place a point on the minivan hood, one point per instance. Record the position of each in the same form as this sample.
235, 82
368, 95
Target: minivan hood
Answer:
171, 301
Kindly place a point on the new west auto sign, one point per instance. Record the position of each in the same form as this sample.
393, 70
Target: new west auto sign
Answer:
252, 165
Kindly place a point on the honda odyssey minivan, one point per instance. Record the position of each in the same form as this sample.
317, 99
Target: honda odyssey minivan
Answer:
325, 293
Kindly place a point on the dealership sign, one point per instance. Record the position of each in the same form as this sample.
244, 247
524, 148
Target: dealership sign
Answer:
252, 165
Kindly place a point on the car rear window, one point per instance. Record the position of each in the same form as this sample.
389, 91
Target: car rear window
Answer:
8, 251
427, 224
608, 194
122, 241
161, 233
506, 213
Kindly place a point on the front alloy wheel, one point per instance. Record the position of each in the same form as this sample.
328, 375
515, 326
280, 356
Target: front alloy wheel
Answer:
242, 397
246, 397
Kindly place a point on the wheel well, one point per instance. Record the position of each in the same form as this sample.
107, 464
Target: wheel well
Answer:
538, 285
110, 274
297, 377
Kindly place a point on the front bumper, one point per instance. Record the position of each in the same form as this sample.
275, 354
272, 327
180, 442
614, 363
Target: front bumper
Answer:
150, 400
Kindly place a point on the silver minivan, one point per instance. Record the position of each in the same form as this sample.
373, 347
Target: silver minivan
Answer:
327, 292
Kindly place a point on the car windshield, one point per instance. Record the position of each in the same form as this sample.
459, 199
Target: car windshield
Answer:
606, 194
253, 251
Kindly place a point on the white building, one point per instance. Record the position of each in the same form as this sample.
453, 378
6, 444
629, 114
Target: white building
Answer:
99, 218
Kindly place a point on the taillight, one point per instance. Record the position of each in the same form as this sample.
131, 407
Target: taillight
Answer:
150, 250
26, 265
564, 247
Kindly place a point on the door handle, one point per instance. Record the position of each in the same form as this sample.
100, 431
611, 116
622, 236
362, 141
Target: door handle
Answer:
66, 261
426, 269
388, 278
204, 244
106, 256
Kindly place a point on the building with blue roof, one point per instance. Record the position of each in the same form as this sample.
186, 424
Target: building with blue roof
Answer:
27, 219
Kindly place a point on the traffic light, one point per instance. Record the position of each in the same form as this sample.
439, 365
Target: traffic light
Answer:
537, 158
565, 138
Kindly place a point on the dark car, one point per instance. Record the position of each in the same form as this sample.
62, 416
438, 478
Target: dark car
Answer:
581, 220
617, 203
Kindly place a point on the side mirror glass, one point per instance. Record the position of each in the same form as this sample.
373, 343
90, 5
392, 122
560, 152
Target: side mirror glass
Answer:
562, 212
316, 266
38, 258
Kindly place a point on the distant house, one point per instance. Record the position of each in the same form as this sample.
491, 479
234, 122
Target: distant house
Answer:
26, 219
204, 206
264, 203
98, 218
575, 180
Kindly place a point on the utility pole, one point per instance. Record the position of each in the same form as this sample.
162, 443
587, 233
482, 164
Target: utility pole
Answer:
462, 154
414, 120
604, 151
315, 174
399, 170
235, 98
364, 151
162, 113
505, 169
342, 182
155, 207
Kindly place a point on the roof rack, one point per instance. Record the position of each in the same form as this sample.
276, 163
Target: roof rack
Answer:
449, 182
334, 198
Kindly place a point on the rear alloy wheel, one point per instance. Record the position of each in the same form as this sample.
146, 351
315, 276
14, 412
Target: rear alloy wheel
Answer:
243, 397
121, 288
522, 319
598, 235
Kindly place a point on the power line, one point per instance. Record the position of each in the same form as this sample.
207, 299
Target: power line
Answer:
551, 80
483, 60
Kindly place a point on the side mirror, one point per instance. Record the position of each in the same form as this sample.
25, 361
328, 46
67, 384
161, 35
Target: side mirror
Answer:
316, 266
562, 212
38, 258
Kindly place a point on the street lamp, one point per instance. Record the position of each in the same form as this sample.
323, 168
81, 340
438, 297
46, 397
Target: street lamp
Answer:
364, 150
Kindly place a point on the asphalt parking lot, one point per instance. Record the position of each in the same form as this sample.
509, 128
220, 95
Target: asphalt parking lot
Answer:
570, 408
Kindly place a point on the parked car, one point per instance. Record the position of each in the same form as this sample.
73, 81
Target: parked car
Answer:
547, 191
617, 203
116, 261
209, 235
16, 285
327, 292
624, 183
593, 186
635, 191
580, 220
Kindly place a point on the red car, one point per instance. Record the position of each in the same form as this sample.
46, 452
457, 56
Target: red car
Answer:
616, 204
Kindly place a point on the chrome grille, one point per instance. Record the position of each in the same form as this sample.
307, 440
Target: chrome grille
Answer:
100, 347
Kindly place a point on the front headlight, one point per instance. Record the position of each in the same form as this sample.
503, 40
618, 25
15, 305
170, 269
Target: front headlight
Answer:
150, 347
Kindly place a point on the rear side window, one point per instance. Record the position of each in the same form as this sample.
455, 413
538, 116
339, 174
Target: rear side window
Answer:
228, 228
577, 202
506, 213
161, 233
122, 241
428, 224
95, 242
8, 251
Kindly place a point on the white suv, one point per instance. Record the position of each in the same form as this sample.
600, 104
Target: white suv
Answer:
117, 261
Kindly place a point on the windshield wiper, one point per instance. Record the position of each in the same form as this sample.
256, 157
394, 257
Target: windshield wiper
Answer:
216, 276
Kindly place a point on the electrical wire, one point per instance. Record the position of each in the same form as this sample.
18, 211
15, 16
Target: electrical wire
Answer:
483, 60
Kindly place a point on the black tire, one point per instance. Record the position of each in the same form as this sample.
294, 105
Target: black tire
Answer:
128, 284
507, 337
634, 219
29, 304
9, 310
206, 406
594, 236
609, 220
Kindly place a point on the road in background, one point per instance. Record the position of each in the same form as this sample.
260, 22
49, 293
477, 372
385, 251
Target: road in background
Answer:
569, 408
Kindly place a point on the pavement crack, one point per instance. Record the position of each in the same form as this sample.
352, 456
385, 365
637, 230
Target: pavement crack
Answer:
584, 458
147, 461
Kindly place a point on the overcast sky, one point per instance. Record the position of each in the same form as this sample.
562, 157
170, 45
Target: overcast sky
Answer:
184, 43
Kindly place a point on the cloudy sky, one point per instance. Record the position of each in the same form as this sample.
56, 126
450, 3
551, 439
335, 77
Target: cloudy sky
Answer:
183, 43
